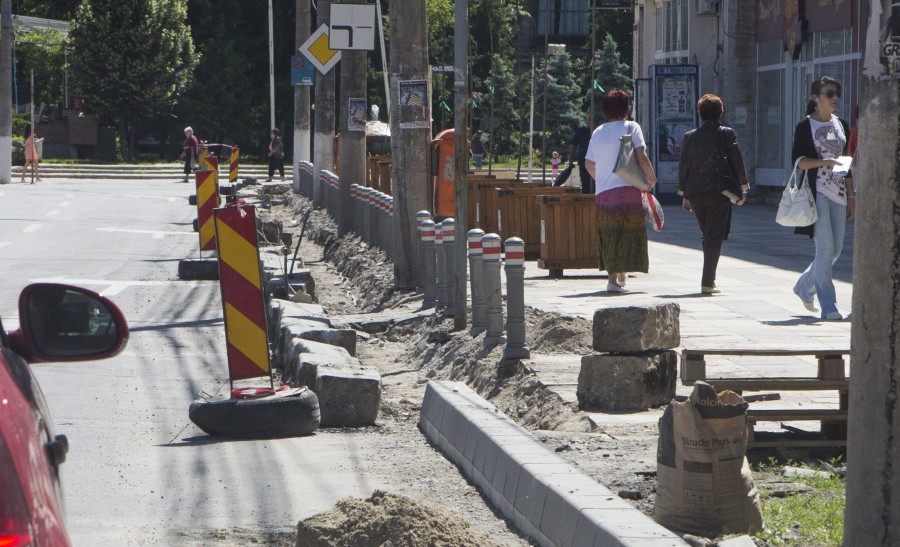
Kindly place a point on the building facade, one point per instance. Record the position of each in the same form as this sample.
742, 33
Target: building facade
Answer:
759, 56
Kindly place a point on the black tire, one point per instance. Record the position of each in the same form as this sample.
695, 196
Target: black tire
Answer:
267, 418
192, 199
196, 224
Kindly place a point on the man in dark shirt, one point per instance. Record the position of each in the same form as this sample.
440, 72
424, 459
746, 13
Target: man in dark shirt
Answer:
578, 147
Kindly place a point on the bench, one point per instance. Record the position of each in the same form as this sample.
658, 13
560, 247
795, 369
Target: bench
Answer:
830, 376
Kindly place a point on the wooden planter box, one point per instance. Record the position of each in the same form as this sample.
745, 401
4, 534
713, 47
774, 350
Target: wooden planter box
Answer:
568, 233
384, 176
518, 214
483, 201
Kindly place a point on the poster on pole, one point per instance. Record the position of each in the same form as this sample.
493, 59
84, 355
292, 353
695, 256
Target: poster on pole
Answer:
414, 108
356, 115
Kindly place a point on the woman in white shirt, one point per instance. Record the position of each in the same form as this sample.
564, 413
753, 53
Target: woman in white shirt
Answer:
621, 227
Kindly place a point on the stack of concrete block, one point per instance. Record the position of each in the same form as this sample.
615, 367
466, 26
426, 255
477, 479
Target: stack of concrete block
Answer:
349, 393
314, 354
638, 367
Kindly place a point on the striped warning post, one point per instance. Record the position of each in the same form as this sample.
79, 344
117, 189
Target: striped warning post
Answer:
243, 302
202, 165
212, 163
233, 164
207, 200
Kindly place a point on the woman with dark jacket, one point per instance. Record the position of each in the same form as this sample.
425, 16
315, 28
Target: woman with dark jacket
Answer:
699, 186
818, 141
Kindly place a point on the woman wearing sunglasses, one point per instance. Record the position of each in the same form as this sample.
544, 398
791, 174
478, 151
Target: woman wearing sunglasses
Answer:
818, 141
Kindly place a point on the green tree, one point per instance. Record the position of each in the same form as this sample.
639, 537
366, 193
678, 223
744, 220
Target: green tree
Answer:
609, 72
131, 59
563, 99
41, 52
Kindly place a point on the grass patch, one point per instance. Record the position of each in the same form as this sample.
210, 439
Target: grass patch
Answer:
811, 516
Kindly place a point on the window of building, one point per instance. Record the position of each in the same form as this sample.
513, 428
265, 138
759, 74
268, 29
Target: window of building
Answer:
563, 17
672, 31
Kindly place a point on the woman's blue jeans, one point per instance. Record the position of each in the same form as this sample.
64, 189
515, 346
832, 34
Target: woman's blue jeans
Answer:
816, 281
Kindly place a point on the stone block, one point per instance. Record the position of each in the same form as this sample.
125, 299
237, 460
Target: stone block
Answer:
627, 382
198, 268
635, 329
274, 188
301, 359
348, 397
280, 310
312, 331
268, 229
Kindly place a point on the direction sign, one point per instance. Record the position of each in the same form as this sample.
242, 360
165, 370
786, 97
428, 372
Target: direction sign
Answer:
352, 27
317, 51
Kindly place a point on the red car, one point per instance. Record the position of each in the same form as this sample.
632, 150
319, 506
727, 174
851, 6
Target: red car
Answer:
57, 323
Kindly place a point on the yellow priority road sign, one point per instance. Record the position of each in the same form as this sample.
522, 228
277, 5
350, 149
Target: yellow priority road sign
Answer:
317, 51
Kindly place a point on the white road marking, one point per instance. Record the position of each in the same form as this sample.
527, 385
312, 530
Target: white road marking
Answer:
157, 234
115, 287
53, 213
32, 228
170, 199
5, 244
65, 204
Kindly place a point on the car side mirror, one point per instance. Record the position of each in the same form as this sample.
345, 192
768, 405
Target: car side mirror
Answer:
66, 323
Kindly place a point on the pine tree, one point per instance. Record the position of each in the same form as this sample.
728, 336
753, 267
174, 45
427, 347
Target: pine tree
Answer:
609, 72
564, 95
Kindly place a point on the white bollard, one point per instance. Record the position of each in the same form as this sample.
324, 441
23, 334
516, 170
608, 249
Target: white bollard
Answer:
421, 217
514, 265
490, 247
441, 260
449, 245
429, 287
476, 279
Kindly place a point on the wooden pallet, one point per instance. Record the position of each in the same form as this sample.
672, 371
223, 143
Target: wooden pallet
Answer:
830, 376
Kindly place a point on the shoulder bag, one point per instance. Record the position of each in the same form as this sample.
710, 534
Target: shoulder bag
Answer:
797, 207
726, 180
626, 166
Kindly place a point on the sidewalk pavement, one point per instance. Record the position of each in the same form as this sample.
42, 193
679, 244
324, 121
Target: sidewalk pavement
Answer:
756, 309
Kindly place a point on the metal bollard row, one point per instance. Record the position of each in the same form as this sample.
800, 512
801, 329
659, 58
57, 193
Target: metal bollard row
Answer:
429, 289
449, 245
421, 217
476, 279
307, 178
441, 260
490, 248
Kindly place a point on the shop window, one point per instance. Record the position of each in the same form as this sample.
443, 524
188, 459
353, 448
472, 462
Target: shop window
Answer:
563, 17
672, 31
770, 119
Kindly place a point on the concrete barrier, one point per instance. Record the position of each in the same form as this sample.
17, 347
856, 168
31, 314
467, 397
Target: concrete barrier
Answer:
546, 497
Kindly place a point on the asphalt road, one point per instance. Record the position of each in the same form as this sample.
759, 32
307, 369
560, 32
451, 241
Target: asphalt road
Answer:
138, 472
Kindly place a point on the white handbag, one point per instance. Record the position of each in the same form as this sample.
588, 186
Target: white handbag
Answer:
626, 165
797, 207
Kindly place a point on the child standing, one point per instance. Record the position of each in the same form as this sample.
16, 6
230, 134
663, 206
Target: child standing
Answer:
555, 160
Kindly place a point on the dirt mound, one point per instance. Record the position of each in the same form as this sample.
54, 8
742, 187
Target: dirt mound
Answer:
388, 520
556, 334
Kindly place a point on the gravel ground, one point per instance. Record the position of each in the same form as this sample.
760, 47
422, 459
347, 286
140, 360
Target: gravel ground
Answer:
352, 278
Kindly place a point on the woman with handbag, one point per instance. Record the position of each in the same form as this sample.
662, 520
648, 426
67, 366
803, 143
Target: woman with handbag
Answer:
621, 228
705, 153
818, 141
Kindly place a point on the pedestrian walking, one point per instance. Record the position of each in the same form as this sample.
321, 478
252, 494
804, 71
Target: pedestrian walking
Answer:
32, 155
276, 155
819, 140
190, 151
555, 160
699, 185
578, 147
478, 150
621, 226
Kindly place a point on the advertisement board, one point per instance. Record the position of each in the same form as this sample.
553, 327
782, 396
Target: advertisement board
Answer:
676, 90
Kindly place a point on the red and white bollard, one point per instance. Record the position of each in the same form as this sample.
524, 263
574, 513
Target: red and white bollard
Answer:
441, 259
449, 245
429, 287
421, 217
490, 248
514, 265
476, 279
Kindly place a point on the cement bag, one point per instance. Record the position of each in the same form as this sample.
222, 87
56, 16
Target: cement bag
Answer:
704, 482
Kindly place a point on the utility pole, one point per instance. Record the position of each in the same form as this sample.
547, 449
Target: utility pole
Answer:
323, 141
5, 91
461, 149
301, 92
410, 146
271, 70
353, 142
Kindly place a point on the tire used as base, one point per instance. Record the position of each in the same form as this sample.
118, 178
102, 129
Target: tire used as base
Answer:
292, 415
